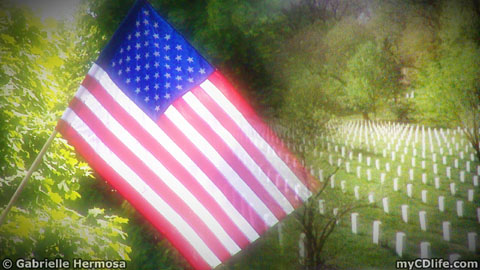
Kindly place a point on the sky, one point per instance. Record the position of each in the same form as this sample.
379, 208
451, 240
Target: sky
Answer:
57, 9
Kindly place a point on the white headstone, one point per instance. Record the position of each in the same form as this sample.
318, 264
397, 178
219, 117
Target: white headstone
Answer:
395, 184
449, 173
413, 161
320, 175
385, 205
424, 196
437, 182
332, 182
435, 168
376, 231
359, 170
347, 166
444, 160
475, 180
441, 203
301, 247
321, 206
434, 157
423, 220
425, 250
446, 230
400, 243
472, 241
410, 173
369, 175
402, 158
455, 163
467, 166
355, 223
399, 170
387, 167
452, 189
355, 190
460, 208
350, 155
454, 257
423, 164
360, 157
405, 213
369, 161
470, 195
424, 178
382, 178
371, 198
393, 156
377, 164
478, 214
462, 176
409, 190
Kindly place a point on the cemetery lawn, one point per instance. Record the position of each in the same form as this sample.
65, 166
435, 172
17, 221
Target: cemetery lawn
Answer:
346, 250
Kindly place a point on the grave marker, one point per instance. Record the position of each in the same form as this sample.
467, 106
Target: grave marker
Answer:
400, 243
470, 195
437, 182
385, 205
472, 241
424, 196
441, 203
446, 230
355, 223
409, 190
423, 220
460, 208
404, 213
355, 190
376, 231
425, 250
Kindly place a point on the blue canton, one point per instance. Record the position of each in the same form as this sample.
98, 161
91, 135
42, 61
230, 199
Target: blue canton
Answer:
151, 62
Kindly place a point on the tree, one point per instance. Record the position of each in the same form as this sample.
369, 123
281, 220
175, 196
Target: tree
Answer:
371, 78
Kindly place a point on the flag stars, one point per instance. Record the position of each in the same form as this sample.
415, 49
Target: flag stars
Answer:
202, 71
128, 80
137, 57
166, 57
190, 59
178, 47
178, 57
179, 87
127, 69
167, 96
147, 77
146, 12
166, 47
113, 64
137, 34
156, 75
167, 75
190, 80
156, 54
167, 37
178, 69
147, 66
156, 64
137, 23
147, 99
146, 88
137, 90
157, 108
137, 68
119, 72
155, 25
129, 47
145, 22
156, 97
129, 37
156, 45
156, 87
145, 44
137, 79
128, 58
146, 32
120, 61
155, 36
167, 66
121, 50
190, 69
137, 46
178, 78
147, 55
167, 85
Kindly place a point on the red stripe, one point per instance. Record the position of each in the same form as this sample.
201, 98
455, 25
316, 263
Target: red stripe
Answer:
229, 156
145, 173
172, 165
239, 102
247, 144
213, 173
119, 183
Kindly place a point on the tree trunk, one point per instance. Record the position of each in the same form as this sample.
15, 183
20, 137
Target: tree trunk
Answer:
365, 116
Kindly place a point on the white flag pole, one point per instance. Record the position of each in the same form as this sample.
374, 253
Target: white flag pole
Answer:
32, 168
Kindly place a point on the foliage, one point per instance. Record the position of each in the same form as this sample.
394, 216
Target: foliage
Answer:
42, 224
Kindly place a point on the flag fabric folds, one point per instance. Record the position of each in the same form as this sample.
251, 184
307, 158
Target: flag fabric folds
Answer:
167, 131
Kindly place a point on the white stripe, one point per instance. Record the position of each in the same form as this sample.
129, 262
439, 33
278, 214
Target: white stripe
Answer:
157, 168
228, 172
141, 187
159, 135
258, 140
239, 151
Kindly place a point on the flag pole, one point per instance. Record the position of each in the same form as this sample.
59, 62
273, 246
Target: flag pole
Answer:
32, 168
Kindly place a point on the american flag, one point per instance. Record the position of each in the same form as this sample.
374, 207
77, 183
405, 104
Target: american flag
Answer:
167, 131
